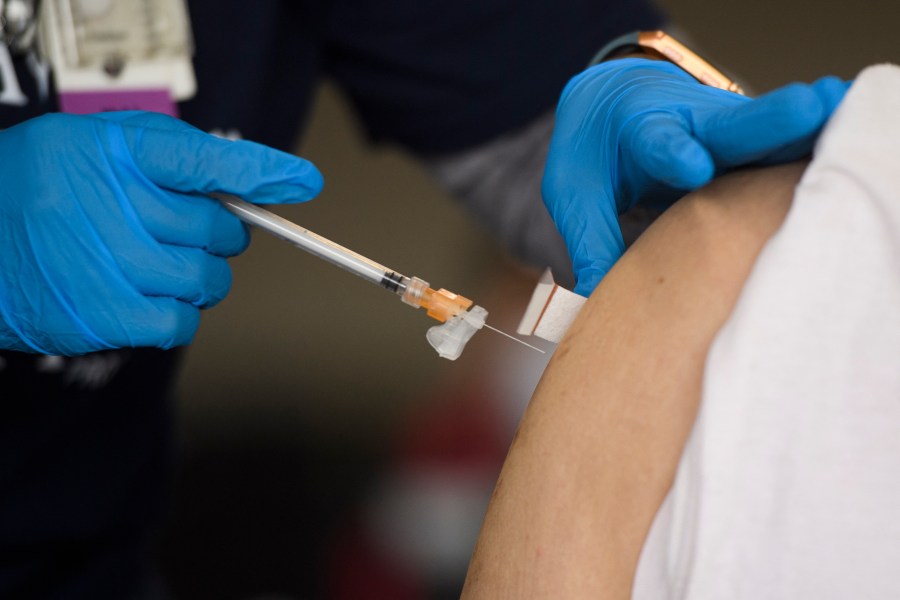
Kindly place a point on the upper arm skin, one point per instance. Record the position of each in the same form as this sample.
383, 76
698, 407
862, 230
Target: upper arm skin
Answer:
598, 447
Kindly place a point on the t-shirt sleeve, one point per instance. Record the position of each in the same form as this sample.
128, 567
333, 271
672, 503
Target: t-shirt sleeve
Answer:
439, 77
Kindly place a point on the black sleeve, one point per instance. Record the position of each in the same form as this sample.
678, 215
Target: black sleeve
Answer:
85, 463
437, 77
257, 65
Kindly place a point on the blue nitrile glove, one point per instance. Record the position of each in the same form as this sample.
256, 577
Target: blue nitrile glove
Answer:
107, 239
633, 130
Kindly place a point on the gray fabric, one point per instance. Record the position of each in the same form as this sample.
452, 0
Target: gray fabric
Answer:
500, 182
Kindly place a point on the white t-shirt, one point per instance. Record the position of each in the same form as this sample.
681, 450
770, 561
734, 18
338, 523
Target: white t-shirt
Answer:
789, 486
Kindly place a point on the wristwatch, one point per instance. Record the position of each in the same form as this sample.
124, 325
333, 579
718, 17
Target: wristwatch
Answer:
661, 45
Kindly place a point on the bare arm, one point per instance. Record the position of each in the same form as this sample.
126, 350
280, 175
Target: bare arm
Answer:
598, 447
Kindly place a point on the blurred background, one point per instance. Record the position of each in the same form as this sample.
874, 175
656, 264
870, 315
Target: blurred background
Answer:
326, 451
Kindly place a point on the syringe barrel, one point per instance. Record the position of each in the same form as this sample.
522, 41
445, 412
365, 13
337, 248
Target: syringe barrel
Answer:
440, 304
414, 291
313, 243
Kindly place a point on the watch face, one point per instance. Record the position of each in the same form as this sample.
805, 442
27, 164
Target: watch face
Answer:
684, 57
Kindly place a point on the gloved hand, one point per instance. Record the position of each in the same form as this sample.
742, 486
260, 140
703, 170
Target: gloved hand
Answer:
634, 130
107, 239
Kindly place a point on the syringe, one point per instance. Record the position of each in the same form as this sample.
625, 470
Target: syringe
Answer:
441, 305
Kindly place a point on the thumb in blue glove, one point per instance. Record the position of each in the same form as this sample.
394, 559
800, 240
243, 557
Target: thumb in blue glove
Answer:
636, 130
107, 237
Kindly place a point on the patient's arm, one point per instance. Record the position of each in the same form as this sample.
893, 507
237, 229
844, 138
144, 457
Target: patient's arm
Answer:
599, 444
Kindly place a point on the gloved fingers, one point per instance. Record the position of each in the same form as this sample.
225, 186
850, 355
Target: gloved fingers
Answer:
143, 118
186, 274
153, 322
182, 219
187, 160
794, 151
581, 203
10, 340
831, 91
751, 131
595, 244
590, 278
193, 221
660, 144
589, 274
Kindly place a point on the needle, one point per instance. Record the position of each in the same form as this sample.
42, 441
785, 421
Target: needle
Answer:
514, 338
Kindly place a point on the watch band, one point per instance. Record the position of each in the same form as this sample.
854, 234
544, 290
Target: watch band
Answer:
664, 46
